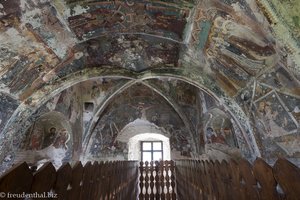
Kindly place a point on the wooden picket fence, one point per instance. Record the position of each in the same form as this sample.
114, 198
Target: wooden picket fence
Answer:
197, 180
130, 180
157, 180
99, 181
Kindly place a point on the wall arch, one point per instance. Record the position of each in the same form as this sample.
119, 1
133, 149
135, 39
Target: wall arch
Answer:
32, 103
100, 109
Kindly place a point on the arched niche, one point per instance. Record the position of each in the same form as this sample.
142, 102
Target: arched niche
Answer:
38, 136
142, 131
219, 128
134, 145
49, 138
222, 139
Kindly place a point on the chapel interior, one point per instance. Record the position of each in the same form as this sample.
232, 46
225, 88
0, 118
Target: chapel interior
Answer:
102, 80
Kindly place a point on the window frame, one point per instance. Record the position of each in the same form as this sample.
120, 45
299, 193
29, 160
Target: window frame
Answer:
152, 151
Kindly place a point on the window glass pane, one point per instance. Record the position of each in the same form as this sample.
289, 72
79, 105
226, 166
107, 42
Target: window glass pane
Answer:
157, 146
157, 156
146, 145
146, 156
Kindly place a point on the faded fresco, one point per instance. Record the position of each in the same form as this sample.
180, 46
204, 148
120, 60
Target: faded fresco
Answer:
137, 102
214, 76
50, 137
7, 106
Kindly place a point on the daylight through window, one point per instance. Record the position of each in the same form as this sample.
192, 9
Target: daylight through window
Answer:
152, 151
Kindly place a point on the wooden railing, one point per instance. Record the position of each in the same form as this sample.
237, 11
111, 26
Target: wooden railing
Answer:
121, 180
239, 180
157, 180
104, 180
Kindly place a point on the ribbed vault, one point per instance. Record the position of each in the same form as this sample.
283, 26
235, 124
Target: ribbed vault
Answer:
218, 68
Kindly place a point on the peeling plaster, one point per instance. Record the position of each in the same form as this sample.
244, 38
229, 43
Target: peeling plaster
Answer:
78, 10
246, 54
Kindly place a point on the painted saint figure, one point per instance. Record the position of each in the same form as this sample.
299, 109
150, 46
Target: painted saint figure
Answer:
62, 139
35, 142
49, 138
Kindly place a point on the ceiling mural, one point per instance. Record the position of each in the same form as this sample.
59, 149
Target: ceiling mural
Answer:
159, 18
132, 52
7, 108
284, 18
212, 75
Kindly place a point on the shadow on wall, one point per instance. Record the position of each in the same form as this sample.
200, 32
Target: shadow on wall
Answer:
48, 139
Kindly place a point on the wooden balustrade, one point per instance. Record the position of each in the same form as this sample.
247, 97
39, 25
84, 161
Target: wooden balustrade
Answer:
100, 181
121, 180
238, 180
157, 180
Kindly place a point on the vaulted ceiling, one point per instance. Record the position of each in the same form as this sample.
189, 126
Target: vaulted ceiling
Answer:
244, 54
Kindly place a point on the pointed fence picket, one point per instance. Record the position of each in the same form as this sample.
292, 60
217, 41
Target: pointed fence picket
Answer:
237, 180
130, 180
98, 181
